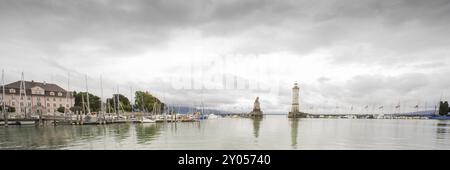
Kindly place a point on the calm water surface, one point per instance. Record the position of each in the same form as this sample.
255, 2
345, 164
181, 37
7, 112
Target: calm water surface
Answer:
272, 132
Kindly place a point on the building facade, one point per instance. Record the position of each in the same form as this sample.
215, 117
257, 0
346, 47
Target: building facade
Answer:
38, 97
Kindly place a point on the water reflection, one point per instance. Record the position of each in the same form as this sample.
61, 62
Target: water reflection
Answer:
294, 132
31, 137
442, 129
256, 125
147, 132
121, 131
235, 134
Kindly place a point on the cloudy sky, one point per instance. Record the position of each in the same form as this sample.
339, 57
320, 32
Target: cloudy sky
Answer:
226, 53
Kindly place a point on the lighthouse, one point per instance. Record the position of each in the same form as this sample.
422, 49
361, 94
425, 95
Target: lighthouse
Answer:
295, 109
295, 100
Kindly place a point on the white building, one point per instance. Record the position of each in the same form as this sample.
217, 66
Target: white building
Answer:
38, 98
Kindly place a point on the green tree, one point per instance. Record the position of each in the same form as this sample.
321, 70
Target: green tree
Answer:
94, 101
124, 102
8, 108
144, 100
61, 109
443, 108
76, 109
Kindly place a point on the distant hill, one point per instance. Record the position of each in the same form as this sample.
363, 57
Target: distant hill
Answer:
187, 109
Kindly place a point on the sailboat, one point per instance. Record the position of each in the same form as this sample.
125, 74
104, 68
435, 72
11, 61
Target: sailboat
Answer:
4, 112
89, 119
147, 120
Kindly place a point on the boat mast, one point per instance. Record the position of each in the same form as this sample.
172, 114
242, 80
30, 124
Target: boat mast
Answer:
118, 100
114, 101
67, 97
131, 97
87, 97
142, 102
5, 113
22, 87
102, 109
83, 104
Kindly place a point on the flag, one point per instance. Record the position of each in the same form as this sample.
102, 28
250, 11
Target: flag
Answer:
381, 107
398, 106
417, 106
367, 106
351, 108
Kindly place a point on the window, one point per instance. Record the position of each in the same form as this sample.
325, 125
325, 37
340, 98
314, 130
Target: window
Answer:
38, 98
59, 94
48, 110
48, 99
13, 103
21, 97
60, 105
12, 90
54, 104
54, 99
60, 99
52, 93
21, 103
39, 103
29, 104
29, 98
48, 104
67, 105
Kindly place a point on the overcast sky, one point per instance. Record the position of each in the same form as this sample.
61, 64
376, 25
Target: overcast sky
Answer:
342, 53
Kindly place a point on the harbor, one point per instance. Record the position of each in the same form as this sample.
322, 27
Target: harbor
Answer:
272, 132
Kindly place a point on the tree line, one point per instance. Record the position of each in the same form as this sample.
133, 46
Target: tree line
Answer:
143, 102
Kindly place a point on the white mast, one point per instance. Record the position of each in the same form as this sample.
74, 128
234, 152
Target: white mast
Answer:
67, 96
87, 97
101, 99
5, 116
23, 90
114, 101
118, 100
131, 98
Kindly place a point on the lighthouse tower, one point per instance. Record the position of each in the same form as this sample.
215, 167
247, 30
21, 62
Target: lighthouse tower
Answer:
295, 100
295, 110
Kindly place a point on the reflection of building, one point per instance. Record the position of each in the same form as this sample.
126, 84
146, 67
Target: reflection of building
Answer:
256, 109
37, 97
295, 110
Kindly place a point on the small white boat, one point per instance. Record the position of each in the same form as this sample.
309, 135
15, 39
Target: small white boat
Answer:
27, 122
212, 116
147, 120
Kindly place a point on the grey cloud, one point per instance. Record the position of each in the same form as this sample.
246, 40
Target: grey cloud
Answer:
75, 36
